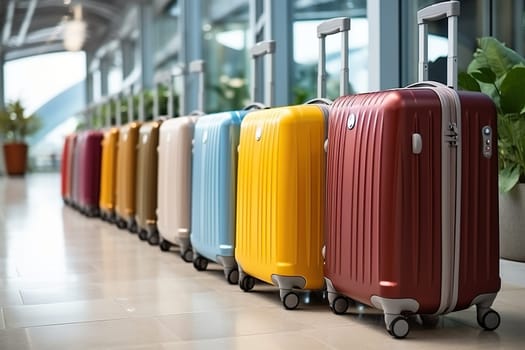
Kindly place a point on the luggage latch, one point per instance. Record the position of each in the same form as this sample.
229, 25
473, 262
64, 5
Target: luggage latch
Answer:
451, 137
486, 145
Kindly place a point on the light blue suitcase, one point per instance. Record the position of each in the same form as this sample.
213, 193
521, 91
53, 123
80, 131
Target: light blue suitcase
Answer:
214, 187
214, 179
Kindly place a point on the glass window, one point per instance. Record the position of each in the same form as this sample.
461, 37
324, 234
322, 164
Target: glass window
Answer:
307, 15
478, 18
225, 33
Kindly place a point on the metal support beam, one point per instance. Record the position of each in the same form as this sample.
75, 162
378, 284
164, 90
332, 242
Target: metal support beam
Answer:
2, 78
270, 20
146, 44
25, 24
190, 27
89, 80
384, 44
408, 43
517, 26
128, 57
8, 24
104, 67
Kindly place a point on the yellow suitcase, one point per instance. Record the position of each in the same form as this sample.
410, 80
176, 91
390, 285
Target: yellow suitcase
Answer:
125, 205
280, 199
281, 187
108, 174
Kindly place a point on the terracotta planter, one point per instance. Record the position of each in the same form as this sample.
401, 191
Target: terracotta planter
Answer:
15, 157
512, 223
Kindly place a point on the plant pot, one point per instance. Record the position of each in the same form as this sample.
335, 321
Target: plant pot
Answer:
15, 157
512, 223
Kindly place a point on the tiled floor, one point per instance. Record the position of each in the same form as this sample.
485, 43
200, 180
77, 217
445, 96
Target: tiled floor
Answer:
69, 282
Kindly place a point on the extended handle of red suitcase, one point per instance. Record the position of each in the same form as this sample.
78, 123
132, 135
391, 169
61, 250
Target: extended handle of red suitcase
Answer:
450, 10
262, 49
329, 27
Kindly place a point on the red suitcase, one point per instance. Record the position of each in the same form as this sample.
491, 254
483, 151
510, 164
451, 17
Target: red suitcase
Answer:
90, 154
66, 167
412, 199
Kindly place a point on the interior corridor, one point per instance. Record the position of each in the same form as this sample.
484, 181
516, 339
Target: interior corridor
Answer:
70, 282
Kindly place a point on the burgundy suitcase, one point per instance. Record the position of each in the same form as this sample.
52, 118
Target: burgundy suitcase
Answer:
412, 199
89, 178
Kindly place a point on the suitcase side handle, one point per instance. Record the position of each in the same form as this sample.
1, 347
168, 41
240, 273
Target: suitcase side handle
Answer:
450, 10
329, 27
262, 49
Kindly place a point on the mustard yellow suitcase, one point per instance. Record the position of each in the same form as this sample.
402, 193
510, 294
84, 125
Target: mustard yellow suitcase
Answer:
281, 192
108, 174
280, 199
125, 205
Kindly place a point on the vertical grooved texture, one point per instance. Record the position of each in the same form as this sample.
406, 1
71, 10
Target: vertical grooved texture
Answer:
174, 178
281, 187
383, 201
214, 184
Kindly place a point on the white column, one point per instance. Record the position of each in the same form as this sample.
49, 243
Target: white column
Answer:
384, 44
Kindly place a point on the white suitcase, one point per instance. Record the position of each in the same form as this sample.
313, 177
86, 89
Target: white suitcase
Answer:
174, 179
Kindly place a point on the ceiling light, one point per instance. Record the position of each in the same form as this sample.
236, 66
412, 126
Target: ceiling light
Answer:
75, 30
74, 34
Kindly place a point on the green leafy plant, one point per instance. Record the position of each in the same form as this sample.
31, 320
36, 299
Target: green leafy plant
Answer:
16, 125
499, 72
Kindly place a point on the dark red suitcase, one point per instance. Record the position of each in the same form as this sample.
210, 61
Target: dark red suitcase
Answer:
90, 154
412, 200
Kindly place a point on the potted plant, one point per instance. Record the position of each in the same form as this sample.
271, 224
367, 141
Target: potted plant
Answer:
499, 72
15, 126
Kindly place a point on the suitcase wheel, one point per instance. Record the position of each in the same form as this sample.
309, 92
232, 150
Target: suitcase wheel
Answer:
143, 235
399, 327
290, 301
340, 305
490, 320
247, 283
165, 245
133, 228
233, 276
153, 237
121, 224
187, 255
200, 263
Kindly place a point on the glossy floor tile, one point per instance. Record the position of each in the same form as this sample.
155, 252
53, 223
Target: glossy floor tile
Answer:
70, 282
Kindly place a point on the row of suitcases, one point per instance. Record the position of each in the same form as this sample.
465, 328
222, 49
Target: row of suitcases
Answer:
388, 199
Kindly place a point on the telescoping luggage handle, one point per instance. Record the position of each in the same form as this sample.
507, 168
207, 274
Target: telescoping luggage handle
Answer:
450, 10
195, 67
163, 79
198, 67
262, 49
329, 27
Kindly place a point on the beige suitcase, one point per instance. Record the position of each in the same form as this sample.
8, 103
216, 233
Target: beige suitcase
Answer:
174, 179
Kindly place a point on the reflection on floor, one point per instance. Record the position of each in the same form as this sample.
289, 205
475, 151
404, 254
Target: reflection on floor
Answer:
69, 282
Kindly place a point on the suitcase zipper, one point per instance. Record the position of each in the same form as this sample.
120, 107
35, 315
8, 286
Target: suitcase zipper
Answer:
451, 197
